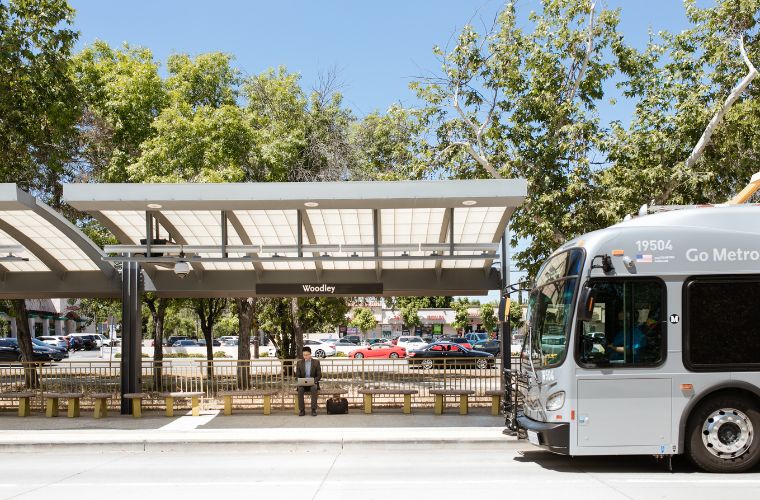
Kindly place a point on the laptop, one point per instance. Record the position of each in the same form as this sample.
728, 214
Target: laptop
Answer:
305, 381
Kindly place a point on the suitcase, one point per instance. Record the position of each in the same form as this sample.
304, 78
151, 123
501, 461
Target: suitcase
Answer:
337, 405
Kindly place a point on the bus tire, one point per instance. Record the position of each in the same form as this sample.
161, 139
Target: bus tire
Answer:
723, 434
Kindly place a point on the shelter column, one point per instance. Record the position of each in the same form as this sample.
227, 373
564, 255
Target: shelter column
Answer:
59, 327
131, 334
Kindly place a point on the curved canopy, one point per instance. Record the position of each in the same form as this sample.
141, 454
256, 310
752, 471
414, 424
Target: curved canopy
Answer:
48, 256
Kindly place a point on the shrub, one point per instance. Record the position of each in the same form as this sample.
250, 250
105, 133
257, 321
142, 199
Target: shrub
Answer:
264, 354
341, 354
220, 354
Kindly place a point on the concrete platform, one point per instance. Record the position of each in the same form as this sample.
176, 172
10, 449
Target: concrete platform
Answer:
212, 428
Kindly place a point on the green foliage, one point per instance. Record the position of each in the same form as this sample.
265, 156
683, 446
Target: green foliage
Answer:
409, 314
461, 314
221, 354
39, 105
227, 325
488, 316
363, 319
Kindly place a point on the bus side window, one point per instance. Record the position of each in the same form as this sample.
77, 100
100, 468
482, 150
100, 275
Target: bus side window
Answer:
627, 327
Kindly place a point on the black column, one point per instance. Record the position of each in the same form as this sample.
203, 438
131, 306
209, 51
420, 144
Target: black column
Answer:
505, 334
131, 334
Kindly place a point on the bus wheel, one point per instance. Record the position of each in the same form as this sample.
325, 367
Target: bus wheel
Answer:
722, 434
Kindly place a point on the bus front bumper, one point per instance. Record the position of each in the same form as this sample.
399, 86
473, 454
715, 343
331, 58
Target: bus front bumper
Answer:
554, 437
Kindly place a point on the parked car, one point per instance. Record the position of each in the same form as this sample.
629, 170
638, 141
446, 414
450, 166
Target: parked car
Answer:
75, 343
57, 353
356, 339
10, 351
55, 341
458, 340
89, 341
411, 343
378, 341
489, 346
202, 342
451, 355
474, 338
379, 351
345, 346
225, 339
185, 343
320, 349
174, 338
107, 342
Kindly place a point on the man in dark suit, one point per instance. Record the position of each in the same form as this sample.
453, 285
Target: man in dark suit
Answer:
308, 367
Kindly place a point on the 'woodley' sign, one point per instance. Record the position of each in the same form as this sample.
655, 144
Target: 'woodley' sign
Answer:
319, 289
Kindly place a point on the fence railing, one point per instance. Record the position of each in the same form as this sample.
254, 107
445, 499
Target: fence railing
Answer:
212, 377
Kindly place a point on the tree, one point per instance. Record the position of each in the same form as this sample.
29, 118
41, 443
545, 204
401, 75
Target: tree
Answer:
521, 102
461, 314
488, 316
39, 103
409, 314
209, 311
363, 319
157, 307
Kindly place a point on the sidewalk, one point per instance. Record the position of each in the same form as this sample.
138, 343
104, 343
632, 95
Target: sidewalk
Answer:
157, 432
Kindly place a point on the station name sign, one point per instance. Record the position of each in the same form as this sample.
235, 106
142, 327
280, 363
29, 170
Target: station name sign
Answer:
318, 289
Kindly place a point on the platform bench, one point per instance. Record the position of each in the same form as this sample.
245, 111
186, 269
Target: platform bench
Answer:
137, 398
101, 403
464, 399
407, 393
252, 393
334, 391
24, 406
51, 403
195, 398
496, 396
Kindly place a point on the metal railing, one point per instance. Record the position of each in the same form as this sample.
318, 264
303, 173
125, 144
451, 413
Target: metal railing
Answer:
213, 377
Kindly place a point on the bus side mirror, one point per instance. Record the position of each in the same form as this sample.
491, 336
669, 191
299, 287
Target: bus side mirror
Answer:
586, 300
504, 304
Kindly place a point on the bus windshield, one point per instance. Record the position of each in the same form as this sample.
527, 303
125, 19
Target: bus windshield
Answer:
550, 307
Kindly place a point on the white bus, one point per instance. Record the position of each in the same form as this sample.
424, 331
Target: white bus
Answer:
644, 338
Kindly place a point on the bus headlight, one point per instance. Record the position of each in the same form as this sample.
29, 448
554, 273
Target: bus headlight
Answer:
556, 401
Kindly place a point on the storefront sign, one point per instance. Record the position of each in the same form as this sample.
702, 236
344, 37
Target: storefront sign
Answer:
318, 289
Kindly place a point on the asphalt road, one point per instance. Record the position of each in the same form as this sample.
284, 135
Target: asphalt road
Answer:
356, 471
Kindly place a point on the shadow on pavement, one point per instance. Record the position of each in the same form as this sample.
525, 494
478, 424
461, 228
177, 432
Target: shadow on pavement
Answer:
604, 463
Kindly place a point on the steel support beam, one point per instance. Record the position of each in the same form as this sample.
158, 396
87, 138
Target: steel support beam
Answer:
237, 226
312, 240
131, 333
445, 229
377, 240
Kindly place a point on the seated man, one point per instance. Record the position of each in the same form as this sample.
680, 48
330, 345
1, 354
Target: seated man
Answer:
308, 368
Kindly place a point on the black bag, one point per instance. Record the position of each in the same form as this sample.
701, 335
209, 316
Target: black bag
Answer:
337, 405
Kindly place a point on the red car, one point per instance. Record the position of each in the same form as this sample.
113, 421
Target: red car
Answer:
379, 351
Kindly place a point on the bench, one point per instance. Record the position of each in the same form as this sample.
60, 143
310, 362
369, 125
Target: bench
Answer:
101, 403
252, 393
496, 396
335, 391
51, 403
463, 394
407, 393
137, 398
24, 406
195, 398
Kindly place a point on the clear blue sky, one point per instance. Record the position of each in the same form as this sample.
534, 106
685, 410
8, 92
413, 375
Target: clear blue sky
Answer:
378, 47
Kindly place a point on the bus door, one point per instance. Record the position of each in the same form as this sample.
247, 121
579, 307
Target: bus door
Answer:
621, 400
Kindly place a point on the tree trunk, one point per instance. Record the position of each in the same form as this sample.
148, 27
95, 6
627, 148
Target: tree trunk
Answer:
297, 332
31, 380
157, 307
246, 311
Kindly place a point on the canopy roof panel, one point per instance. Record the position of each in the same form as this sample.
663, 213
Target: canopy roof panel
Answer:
296, 232
56, 254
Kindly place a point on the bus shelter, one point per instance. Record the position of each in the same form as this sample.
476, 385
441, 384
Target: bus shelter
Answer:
258, 239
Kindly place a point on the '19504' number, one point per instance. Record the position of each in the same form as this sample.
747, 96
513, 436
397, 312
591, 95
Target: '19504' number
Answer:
649, 245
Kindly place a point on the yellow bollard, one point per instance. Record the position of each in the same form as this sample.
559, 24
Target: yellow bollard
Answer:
228, 405
495, 405
137, 408
195, 402
367, 404
267, 404
407, 404
439, 404
169, 406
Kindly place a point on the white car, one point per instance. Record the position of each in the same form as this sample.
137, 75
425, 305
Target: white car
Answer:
319, 349
228, 340
411, 343
345, 346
